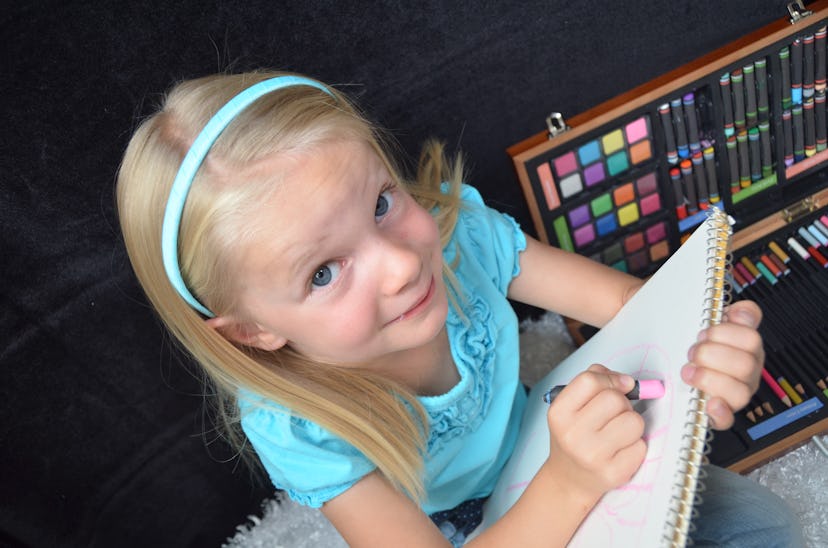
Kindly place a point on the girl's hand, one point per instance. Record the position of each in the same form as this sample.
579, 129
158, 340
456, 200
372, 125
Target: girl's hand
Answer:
595, 435
726, 362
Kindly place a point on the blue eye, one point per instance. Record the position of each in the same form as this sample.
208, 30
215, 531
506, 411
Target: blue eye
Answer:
384, 203
326, 274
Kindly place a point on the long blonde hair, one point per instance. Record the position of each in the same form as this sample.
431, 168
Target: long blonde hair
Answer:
372, 413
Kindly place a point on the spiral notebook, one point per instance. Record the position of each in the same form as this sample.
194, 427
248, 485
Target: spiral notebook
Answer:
649, 338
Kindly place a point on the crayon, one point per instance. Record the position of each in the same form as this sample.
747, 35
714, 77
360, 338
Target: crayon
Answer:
643, 390
669, 138
727, 102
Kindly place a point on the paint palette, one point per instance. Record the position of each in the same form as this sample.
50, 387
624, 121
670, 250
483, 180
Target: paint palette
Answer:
604, 190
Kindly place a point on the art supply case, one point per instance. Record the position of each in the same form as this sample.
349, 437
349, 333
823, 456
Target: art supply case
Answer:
744, 129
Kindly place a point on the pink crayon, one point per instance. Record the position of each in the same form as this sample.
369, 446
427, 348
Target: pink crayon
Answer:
643, 390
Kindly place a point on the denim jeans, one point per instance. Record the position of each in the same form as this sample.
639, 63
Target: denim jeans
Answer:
738, 512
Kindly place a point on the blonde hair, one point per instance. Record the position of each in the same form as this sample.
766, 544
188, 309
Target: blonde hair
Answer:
372, 413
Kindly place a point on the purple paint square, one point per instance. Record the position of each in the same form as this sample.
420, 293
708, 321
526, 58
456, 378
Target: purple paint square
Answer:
584, 235
594, 174
579, 216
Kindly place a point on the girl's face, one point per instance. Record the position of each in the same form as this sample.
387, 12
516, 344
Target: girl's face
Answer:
347, 268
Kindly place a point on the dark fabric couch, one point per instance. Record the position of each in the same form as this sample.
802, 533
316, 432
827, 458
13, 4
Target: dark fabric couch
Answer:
102, 424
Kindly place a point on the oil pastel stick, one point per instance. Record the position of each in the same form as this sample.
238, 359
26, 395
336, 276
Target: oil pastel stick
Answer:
649, 389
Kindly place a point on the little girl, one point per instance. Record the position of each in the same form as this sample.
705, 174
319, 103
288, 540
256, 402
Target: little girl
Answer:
357, 329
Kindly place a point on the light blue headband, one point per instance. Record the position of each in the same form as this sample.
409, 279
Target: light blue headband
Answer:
192, 162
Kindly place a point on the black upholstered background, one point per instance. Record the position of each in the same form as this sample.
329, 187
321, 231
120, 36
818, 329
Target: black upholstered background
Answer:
100, 421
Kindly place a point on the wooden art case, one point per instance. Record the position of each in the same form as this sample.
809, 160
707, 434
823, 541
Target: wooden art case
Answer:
744, 129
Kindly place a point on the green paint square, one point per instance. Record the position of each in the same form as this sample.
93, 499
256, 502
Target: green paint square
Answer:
600, 205
617, 163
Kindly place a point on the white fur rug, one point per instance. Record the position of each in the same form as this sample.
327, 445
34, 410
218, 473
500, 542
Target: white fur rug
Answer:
800, 477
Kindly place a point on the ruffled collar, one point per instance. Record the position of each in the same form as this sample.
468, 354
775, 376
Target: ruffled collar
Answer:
472, 342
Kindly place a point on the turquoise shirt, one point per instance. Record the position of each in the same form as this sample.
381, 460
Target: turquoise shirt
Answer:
472, 427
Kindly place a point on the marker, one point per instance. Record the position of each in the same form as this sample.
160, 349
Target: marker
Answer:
798, 133
810, 126
737, 81
819, 46
689, 186
808, 74
750, 91
678, 194
678, 127
785, 63
701, 179
796, 72
710, 169
744, 158
821, 134
787, 130
755, 160
669, 138
727, 101
643, 390
733, 163
762, 90
689, 102
767, 157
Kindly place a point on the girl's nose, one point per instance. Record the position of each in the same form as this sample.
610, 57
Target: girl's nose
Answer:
401, 266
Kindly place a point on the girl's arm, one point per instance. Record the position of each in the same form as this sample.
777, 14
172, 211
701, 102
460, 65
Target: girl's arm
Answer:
571, 284
591, 412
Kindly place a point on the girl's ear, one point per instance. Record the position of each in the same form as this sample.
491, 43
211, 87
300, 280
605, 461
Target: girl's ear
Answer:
246, 333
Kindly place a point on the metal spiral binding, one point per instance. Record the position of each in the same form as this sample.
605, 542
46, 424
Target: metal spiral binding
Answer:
689, 484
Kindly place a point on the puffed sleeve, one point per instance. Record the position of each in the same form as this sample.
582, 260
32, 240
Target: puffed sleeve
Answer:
309, 463
489, 237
